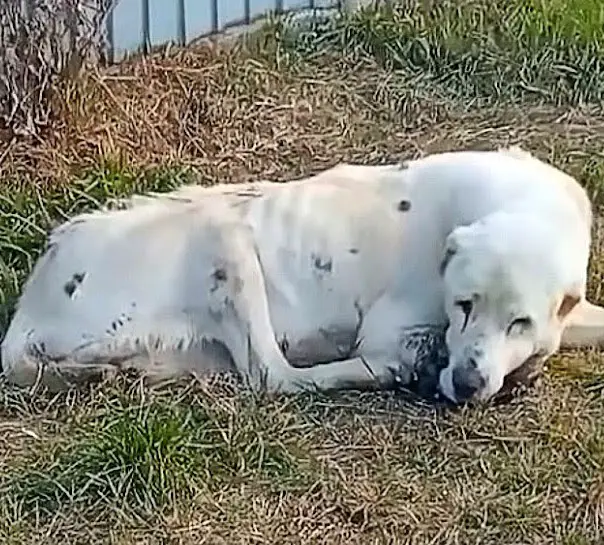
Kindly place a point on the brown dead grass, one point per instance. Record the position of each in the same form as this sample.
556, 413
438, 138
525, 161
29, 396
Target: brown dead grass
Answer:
233, 116
373, 468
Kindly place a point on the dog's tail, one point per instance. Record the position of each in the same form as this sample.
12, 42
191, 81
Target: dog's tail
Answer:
585, 327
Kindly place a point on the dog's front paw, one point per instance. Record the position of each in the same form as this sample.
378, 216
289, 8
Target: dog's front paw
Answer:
424, 351
403, 376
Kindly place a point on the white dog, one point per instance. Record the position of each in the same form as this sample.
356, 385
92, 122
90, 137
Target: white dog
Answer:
320, 281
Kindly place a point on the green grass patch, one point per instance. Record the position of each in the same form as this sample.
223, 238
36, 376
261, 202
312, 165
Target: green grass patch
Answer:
139, 459
547, 51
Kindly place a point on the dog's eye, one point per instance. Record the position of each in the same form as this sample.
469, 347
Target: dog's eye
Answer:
466, 308
519, 325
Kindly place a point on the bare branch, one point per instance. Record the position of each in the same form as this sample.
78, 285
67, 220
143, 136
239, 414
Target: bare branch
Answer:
41, 43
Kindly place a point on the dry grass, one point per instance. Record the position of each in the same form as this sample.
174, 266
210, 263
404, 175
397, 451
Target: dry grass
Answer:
205, 464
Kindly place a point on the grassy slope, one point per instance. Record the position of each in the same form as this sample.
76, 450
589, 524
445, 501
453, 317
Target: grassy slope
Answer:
203, 464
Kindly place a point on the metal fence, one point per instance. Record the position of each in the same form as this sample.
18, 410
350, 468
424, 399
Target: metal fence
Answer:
138, 25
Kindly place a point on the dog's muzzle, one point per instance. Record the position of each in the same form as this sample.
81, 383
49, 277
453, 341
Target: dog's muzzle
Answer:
467, 381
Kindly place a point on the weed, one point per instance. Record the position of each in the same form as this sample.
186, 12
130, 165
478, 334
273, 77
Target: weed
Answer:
140, 458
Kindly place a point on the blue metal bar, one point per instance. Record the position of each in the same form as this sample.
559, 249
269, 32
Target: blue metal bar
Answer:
247, 12
146, 45
181, 22
214, 10
110, 36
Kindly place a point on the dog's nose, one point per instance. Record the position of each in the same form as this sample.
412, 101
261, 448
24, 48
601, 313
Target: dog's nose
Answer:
467, 381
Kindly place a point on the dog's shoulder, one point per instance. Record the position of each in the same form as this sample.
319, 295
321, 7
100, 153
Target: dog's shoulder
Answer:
566, 183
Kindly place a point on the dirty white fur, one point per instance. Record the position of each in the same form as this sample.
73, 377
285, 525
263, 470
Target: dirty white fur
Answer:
316, 281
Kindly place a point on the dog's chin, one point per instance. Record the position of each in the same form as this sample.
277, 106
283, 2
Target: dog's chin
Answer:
515, 384
521, 379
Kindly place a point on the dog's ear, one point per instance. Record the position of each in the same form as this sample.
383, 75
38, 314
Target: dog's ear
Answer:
449, 253
452, 245
584, 326
569, 301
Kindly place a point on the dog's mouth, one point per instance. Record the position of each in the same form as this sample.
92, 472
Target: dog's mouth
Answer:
515, 384
521, 379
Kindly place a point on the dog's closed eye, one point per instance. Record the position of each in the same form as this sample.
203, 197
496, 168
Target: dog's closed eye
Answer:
519, 325
466, 308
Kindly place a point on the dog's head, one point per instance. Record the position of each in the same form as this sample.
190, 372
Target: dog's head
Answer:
509, 287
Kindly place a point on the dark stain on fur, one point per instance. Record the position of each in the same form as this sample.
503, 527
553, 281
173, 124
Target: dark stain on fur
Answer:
73, 283
403, 206
38, 351
322, 265
70, 288
118, 323
219, 276
353, 251
229, 306
343, 339
283, 345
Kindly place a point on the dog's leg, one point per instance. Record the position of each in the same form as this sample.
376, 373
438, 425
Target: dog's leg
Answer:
246, 329
585, 326
357, 373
